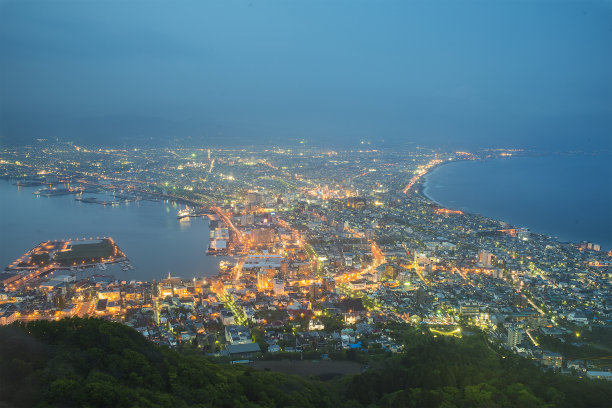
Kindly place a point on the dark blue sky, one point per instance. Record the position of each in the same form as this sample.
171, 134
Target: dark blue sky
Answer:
456, 73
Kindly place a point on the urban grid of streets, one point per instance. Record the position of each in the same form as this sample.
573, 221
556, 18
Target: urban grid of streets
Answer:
329, 247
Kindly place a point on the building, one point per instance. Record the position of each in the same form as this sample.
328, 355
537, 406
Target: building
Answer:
329, 284
589, 245
422, 297
227, 317
600, 375
266, 261
515, 336
235, 334
484, 258
243, 351
315, 324
356, 203
7, 315
218, 245
469, 309
359, 284
262, 236
278, 286
265, 278
253, 199
550, 359
391, 271
247, 219
221, 233
315, 291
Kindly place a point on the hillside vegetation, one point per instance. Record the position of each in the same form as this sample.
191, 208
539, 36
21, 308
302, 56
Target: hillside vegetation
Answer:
96, 363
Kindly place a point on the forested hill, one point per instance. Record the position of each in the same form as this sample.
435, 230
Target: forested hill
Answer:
95, 363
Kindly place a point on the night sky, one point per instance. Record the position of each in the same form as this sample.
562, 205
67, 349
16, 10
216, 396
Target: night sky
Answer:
446, 74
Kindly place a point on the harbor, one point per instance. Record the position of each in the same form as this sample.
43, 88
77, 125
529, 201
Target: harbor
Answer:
71, 256
146, 229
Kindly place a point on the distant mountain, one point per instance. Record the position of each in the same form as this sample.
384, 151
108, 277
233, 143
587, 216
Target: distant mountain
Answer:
99, 130
133, 130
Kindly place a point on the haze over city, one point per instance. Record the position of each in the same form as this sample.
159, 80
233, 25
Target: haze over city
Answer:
443, 73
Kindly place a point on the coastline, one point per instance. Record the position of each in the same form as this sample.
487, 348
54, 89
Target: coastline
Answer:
561, 236
421, 185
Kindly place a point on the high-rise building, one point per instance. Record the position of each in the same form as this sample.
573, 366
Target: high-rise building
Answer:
264, 279
391, 271
315, 291
357, 203
253, 198
262, 236
284, 268
278, 286
589, 245
247, 219
484, 258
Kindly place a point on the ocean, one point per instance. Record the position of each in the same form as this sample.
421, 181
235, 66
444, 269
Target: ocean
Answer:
566, 197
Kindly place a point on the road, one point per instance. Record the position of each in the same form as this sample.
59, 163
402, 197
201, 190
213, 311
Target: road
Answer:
420, 173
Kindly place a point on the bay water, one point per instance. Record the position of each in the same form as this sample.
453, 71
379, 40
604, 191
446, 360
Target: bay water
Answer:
564, 196
148, 232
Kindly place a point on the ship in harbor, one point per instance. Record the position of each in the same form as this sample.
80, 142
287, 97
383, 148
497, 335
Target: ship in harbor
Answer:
94, 200
50, 192
194, 212
186, 212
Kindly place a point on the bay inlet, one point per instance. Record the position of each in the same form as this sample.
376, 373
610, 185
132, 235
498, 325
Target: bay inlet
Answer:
148, 232
566, 197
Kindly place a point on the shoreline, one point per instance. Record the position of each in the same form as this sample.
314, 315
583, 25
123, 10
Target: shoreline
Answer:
421, 187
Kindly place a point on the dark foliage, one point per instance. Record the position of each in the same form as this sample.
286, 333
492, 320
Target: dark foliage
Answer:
447, 372
96, 363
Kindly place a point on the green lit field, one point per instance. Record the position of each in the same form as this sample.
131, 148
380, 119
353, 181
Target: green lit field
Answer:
84, 253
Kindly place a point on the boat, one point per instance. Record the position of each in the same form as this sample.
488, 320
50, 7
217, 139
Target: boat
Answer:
50, 192
184, 213
101, 266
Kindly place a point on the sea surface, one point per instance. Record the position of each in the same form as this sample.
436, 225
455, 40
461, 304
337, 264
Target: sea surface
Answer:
567, 197
149, 233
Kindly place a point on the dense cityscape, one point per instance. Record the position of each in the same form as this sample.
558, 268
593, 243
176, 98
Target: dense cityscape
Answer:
328, 252
305, 204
